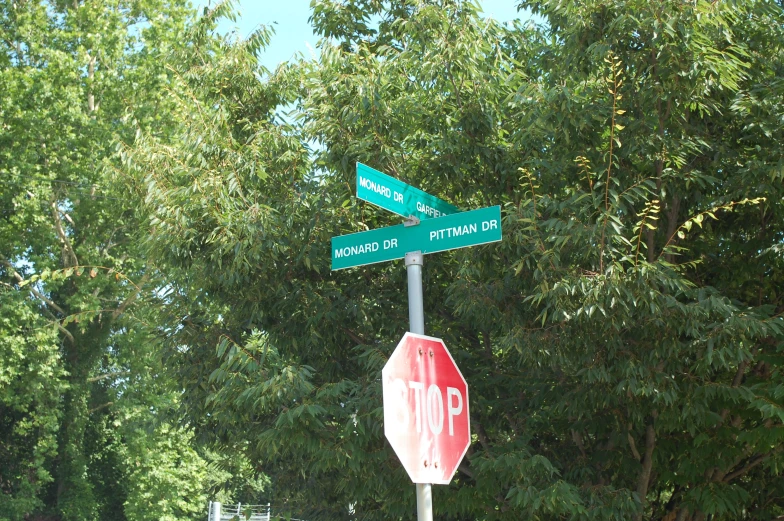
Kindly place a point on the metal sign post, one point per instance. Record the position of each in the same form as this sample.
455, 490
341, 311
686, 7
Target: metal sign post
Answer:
416, 319
432, 226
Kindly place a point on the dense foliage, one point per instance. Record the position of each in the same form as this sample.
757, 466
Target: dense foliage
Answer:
84, 401
623, 344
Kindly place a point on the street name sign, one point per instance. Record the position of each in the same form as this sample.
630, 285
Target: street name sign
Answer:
396, 196
426, 409
454, 231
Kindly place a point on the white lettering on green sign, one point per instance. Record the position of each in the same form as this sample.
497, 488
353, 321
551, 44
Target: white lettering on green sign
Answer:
428, 210
466, 229
396, 196
448, 232
380, 189
358, 249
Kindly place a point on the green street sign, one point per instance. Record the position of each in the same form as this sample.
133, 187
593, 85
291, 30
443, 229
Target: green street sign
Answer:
398, 197
459, 230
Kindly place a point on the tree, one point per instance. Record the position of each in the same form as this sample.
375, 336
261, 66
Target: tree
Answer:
76, 78
622, 344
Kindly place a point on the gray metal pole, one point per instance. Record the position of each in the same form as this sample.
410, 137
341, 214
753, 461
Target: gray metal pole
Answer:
216, 511
416, 318
416, 307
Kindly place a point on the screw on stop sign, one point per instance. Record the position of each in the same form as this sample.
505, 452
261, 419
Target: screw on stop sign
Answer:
426, 409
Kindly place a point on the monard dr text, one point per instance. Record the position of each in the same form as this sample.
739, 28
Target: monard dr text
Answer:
397, 197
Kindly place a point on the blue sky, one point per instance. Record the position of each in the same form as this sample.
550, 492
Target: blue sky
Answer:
293, 34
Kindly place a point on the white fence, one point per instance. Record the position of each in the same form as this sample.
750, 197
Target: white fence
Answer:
238, 512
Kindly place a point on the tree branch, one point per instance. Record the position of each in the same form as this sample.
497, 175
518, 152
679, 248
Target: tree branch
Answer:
750, 465
121, 308
578, 440
60, 327
356, 338
90, 76
107, 375
103, 406
632, 444
512, 423
65, 332
34, 291
483, 440
488, 345
69, 257
672, 220
735, 383
739, 375
449, 67
465, 470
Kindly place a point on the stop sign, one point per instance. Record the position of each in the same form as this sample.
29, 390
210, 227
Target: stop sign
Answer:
426, 409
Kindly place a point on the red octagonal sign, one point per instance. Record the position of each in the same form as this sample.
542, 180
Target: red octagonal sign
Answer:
426, 409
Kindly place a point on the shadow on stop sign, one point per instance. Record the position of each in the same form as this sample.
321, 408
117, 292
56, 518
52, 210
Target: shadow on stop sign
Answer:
426, 409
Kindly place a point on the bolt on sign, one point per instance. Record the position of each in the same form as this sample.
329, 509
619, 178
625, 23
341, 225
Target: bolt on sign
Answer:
426, 409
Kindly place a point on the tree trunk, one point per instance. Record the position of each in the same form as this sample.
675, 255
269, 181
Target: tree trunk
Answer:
75, 499
90, 76
647, 466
